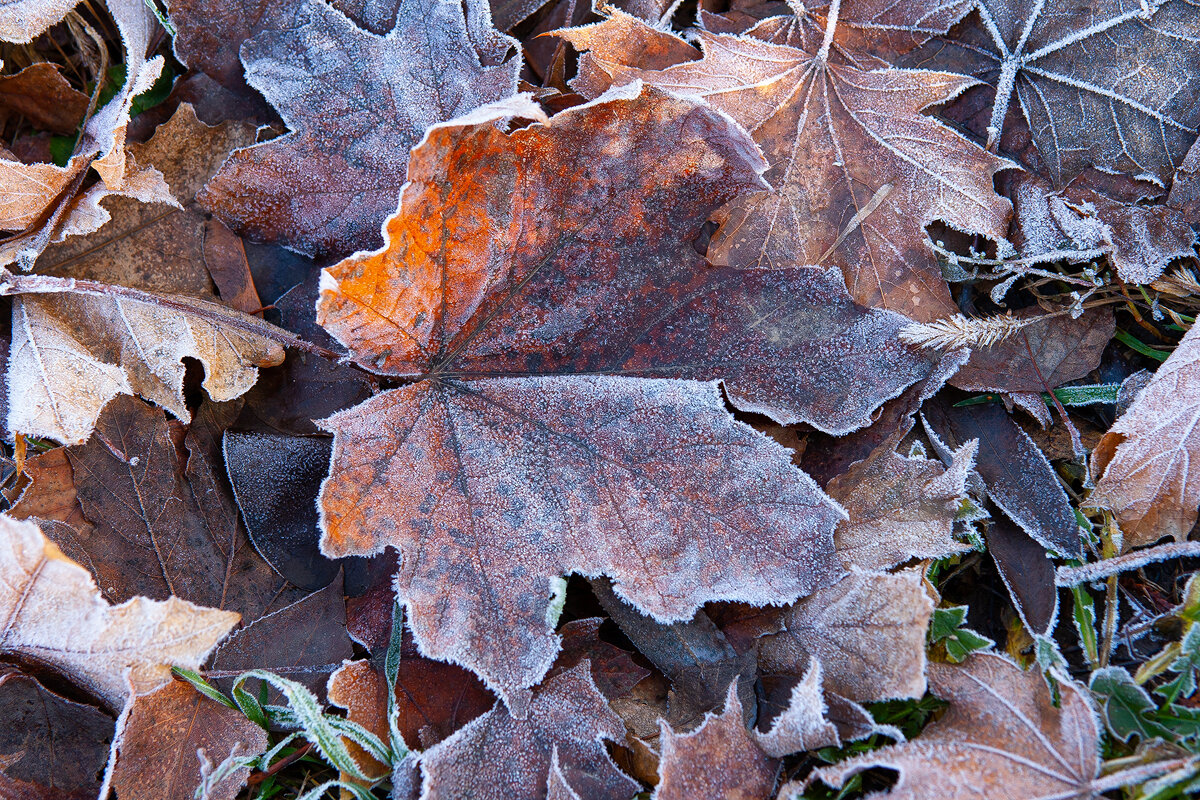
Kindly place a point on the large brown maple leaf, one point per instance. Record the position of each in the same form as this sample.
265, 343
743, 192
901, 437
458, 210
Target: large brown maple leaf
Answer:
356, 102
544, 287
858, 169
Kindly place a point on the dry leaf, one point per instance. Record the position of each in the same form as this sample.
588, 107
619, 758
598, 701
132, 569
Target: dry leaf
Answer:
40, 94
329, 184
54, 615
802, 725
50, 747
868, 632
1143, 464
1104, 83
1002, 737
900, 507
858, 169
499, 756
25, 20
579, 307
157, 757
717, 761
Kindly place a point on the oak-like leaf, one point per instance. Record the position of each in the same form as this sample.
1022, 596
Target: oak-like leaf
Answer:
544, 285
53, 614
858, 169
1003, 736
355, 102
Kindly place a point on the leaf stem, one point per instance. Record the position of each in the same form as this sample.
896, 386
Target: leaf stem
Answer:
830, 26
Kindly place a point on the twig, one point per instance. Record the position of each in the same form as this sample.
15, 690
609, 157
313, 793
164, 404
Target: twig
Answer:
280, 765
1111, 567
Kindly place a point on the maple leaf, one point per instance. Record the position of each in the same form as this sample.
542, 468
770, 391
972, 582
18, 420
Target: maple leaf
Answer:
719, 759
157, 749
802, 725
1143, 464
329, 184
560, 742
53, 614
544, 324
900, 507
1001, 737
1105, 83
868, 632
43, 96
859, 170
59, 746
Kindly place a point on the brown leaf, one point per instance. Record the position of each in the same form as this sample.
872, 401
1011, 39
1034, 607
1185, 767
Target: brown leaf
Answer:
157, 757
1042, 356
900, 507
1018, 477
868, 632
50, 747
304, 642
803, 724
1143, 464
50, 494
1185, 189
1140, 240
41, 95
1027, 572
855, 190
329, 184
545, 387
226, 261
158, 532
54, 615
1100, 83
717, 761
1002, 736
498, 755
613, 669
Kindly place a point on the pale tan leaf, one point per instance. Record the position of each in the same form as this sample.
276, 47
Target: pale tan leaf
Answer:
71, 354
25, 20
900, 507
868, 632
52, 613
1002, 738
1144, 462
803, 724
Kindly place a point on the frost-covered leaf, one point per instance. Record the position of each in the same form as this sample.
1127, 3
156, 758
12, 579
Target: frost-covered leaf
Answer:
71, 354
1028, 573
544, 286
900, 507
803, 724
1143, 463
156, 753
24, 20
858, 169
51, 748
1106, 83
1041, 356
1002, 737
328, 184
53, 614
153, 533
499, 756
1018, 477
717, 761
868, 631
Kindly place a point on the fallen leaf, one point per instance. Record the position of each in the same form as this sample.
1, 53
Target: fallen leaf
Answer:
1101, 83
1042, 356
276, 479
50, 747
613, 669
25, 20
156, 755
1002, 736
545, 362
54, 615
44, 97
1142, 466
1027, 572
50, 494
71, 354
328, 184
900, 507
1018, 477
497, 755
151, 535
868, 632
802, 725
717, 761
1185, 189
858, 169
305, 642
